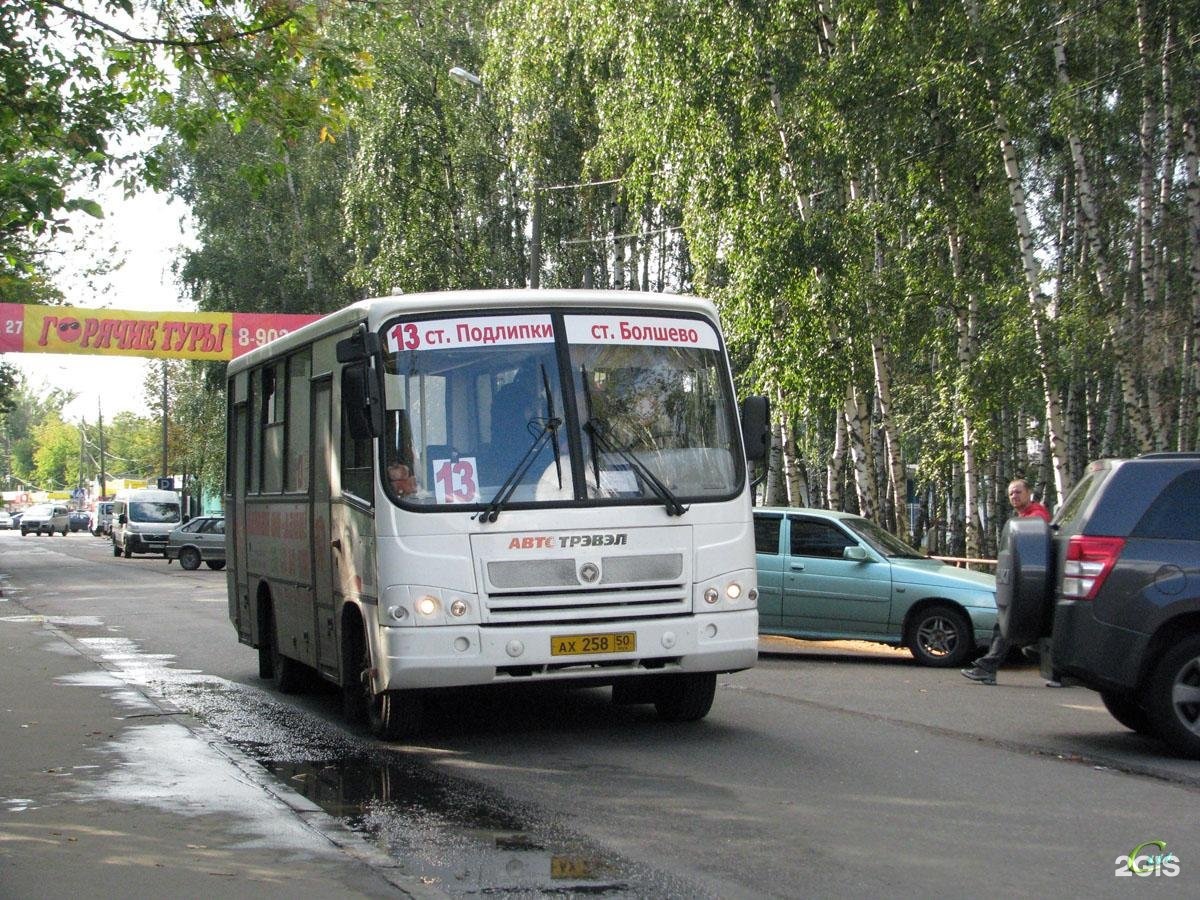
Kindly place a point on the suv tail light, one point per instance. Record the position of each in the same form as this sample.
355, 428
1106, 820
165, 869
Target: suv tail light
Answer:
1089, 560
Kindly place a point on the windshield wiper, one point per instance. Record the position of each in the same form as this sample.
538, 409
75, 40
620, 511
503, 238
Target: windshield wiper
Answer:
600, 432
552, 423
547, 432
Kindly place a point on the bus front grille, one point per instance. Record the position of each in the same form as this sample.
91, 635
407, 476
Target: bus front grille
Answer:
586, 606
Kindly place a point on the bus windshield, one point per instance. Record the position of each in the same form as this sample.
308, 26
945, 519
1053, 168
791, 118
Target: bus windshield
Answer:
481, 412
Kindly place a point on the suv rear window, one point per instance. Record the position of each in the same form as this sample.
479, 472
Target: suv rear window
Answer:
1075, 501
1174, 513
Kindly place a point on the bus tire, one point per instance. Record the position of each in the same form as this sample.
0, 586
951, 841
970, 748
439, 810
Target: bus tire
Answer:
266, 669
389, 715
394, 715
686, 698
287, 674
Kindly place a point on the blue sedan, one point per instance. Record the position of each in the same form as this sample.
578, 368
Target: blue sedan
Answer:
826, 575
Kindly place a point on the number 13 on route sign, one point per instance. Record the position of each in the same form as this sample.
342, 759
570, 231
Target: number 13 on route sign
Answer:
454, 480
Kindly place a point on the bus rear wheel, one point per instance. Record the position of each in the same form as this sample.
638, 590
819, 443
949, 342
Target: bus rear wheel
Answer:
286, 673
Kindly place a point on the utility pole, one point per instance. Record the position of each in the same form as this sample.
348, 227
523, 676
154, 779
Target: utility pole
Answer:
100, 422
535, 238
164, 420
82, 439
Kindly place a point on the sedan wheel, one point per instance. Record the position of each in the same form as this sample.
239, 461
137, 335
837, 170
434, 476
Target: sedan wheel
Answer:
189, 558
940, 636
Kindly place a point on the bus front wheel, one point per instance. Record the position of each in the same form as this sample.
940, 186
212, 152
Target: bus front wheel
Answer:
685, 698
390, 715
394, 715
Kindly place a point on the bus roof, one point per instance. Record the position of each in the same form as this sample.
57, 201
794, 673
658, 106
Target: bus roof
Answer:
376, 310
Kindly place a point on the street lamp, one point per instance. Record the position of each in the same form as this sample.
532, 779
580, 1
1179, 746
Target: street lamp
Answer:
462, 76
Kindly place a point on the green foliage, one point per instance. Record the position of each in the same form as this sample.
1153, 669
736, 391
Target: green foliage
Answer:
24, 413
56, 459
72, 77
195, 398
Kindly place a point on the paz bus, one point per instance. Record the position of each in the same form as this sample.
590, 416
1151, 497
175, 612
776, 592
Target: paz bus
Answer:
495, 487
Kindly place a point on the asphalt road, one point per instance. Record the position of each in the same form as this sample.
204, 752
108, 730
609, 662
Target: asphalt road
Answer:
827, 770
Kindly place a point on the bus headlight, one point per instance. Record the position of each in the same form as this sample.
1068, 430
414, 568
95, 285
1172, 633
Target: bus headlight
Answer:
427, 605
458, 608
734, 591
398, 613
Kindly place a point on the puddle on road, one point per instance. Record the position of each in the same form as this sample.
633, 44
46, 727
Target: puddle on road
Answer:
464, 837
463, 840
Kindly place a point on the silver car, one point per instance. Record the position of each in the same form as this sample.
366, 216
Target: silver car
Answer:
201, 538
45, 518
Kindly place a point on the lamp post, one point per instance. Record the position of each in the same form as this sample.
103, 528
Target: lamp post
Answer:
462, 76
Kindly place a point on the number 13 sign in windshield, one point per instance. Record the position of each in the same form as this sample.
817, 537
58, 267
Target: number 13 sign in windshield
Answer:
454, 480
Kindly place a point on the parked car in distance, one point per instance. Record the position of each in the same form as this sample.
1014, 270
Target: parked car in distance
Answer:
826, 575
6, 521
78, 520
101, 518
45, 518
202, 538
1110, 590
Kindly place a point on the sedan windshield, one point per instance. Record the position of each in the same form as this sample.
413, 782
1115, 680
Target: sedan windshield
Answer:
481, 413
881, 540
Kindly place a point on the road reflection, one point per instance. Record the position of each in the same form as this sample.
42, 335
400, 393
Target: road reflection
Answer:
461, 840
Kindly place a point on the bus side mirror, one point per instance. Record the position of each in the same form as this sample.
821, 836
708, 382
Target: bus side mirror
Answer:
358, 347
756, 427
122, 519
361, 402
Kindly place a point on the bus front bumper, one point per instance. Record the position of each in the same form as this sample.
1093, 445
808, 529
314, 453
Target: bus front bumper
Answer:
473, 655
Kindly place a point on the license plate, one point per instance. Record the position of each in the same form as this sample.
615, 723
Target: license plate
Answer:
580, 644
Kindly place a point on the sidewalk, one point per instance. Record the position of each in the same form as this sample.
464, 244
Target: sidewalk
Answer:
105, 792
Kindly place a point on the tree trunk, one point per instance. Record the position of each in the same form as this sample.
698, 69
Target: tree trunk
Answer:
836, 470
1124, 325
857, 425
967, 347
1033, 278
1190, 376
774, 490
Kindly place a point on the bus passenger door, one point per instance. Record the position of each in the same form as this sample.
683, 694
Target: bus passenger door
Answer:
238, 581
325, 626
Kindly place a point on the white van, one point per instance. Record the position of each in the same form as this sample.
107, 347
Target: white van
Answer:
101, 519
142, 520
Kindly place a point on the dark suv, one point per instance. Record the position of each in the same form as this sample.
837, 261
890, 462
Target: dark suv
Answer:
1110, 591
